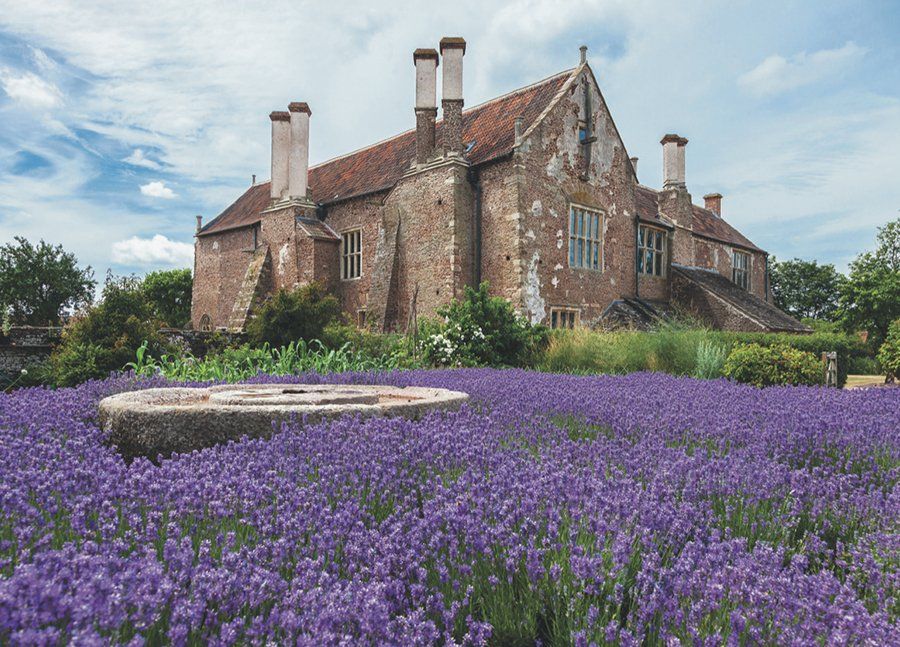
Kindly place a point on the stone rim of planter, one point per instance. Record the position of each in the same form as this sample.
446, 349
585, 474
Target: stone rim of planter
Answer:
159, 422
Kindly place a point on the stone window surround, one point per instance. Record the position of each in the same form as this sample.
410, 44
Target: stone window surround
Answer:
564, 317
740, 269
659, 252
351, 262
598, 240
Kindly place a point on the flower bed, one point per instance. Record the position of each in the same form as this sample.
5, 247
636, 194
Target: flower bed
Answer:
634, 509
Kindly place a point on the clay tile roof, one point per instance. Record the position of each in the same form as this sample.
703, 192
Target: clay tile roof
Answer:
488, 127
709, 225
706, 223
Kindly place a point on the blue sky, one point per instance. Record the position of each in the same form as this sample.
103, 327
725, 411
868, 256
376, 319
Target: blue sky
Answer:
120, 122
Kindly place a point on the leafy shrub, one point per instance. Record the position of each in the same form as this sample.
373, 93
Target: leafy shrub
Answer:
236, 364
481, 330
168, 293
291, 316
367, 343
103, 338
771, 365
710, 360
674, 349
889, 353
863, 366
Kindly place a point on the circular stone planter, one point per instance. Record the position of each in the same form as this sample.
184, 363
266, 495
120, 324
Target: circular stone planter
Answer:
156, 422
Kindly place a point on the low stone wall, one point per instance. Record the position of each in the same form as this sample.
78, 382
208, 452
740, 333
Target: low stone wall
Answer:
199, 343
25, 346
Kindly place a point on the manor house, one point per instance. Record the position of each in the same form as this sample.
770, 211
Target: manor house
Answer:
532, 191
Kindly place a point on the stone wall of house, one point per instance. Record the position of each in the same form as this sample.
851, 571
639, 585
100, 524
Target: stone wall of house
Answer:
365, 214
712, 310
434, 241
719, 256
552, 164
220, 263
500, 237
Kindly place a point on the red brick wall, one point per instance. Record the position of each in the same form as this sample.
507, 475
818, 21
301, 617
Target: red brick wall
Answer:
499, 229
220, 261
718, 256
552, 165
434, 248
362, 213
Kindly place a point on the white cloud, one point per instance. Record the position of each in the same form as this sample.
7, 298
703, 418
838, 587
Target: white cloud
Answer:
776, 74
29, 89
159, 250
158, 190
137, 158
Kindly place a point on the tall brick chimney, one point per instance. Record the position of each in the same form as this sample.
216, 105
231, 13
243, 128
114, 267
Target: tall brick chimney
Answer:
426, 62
281, 146
298, 179
713, 202
673, 161
452, 51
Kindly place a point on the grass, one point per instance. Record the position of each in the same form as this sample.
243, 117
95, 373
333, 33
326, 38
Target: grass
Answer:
856, 381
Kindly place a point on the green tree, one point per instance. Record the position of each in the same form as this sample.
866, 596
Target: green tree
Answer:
870, 297
293, 315
169, 294
806, 289
105, 338
39, 282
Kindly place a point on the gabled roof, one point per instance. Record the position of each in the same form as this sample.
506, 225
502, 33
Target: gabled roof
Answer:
488, 127
751, 305
706, 223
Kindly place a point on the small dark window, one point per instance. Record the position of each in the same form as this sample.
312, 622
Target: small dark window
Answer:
563, 317
740, 272
351, 254
205, 323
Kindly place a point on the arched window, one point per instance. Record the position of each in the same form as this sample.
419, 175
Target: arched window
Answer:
205, 323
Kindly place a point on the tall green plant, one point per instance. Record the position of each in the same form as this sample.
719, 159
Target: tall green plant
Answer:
291, 316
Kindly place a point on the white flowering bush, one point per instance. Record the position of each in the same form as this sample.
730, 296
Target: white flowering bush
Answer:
481, 330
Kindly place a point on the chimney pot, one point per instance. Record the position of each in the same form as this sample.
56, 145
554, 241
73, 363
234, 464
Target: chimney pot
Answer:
583, 50
199, 223
298, 165
253, 180
713, 202
281, 145
452, 51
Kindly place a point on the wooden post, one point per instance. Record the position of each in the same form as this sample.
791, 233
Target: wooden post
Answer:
829, 359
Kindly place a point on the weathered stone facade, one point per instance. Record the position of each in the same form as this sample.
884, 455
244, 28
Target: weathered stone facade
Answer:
494, 202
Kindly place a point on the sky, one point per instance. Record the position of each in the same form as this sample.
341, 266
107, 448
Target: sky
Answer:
120, 122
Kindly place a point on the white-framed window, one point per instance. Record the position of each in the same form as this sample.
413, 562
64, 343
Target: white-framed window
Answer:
564, 317
585, 238
740, 271
651, 251
351, 254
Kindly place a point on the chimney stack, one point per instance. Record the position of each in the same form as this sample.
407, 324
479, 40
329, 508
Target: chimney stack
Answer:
199, 223
281, 145
673, 161
426, 62
583, 50
452, 51
713, 202
298, 180
519, 123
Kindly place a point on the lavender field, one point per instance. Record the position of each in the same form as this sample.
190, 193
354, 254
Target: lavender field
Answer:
644, 509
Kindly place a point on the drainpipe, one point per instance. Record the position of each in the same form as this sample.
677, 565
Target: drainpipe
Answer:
637, 250
475, 180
